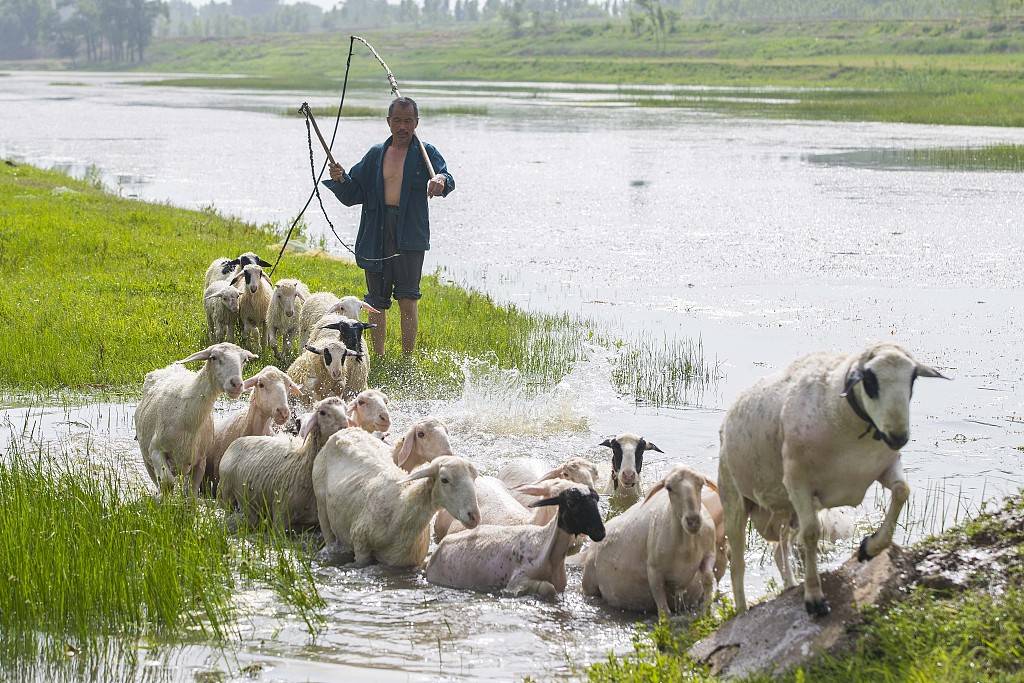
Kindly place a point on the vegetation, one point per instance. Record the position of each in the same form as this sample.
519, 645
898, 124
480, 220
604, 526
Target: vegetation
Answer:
376, 112
968, 633
100, 290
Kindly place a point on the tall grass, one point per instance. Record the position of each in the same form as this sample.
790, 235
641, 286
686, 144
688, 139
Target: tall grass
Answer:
100, 290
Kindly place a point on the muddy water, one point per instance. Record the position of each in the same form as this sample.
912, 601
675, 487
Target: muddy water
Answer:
656, 223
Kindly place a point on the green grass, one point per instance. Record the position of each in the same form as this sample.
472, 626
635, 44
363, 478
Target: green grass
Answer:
931, 634
92, 561
991, 158
379, 112
968, 71
100, 290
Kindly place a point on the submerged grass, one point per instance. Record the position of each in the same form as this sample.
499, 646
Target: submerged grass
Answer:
100, 290
990, 158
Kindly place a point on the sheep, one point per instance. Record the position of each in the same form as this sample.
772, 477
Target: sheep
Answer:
519, 559
793, 444
369, 411
530, 470
268, 405
226, 269
283, 314
272, 475
660, 553
173, 419
321, 370
373, 511
425, 440
221, 303
350, 331
253, 303
627, 462
500, 508
326, 303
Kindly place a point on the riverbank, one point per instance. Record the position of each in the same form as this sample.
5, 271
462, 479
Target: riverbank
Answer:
958, 617
964, 72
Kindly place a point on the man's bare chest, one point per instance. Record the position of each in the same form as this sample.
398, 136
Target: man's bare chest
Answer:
394, 163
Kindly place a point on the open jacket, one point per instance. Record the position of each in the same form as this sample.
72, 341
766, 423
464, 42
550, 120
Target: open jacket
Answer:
364, 184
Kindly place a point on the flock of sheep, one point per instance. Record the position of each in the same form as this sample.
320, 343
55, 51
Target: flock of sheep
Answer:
810, 438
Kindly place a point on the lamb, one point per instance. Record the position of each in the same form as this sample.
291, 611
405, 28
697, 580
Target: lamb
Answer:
530, 470
793, 444
221, 303
369, 411
253, 303
350, 331
272, 475
627, 462
326, 303
283, 314
660, 553
373, 511
268, 405
321, 370
519, 559
226, 269
173, 419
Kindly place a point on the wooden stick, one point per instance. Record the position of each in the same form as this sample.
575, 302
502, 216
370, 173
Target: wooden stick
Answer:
304, 109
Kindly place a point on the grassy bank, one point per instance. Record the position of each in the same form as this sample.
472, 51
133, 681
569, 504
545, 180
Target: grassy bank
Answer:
969, 629
954, 71
100, 290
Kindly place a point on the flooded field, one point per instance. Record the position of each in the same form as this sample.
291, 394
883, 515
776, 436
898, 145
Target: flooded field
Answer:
764, 239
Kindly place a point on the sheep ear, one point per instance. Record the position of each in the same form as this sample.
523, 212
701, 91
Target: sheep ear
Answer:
711, 484
237, 278
313, 349
407, 446
307, 425
261, 263
248, 356
545, 502
336, 308
293, 388
855, 375
300, 296
425, 471
250, 383
606, 442
550, 474
534, 489
657, 487
366, 326
368, 307
652, 447
198, 355
266, 277
926, 371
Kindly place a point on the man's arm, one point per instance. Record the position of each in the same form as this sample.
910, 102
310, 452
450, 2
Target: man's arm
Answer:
442, 183
348, 187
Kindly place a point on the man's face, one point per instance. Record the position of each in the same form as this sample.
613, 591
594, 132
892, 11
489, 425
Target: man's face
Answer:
402, 122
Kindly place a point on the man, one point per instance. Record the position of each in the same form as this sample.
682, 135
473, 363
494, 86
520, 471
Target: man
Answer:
392, 185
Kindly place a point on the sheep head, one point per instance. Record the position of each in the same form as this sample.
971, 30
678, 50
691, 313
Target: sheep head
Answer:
253, 275
683, 486
577, 510
349, 306
327, 417
333, 355
628, 458
425, 441
579, 470
452, 487
287, 292
270, 388
880, 383
224, 361
350, 331
369, 411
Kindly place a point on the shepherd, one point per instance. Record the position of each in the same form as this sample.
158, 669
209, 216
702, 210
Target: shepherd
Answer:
392, 184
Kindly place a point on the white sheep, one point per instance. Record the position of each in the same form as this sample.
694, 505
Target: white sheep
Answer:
373, 511
813, 437
369, 411
500, 508
321, 369
323, 304
425, 440
221, 303
532, 471
226, 269
272, 475
173, 419
660, 553
253, 304
268, 405
519, 559
627, 462
283, 315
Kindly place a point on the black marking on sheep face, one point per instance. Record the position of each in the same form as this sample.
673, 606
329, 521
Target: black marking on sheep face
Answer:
228, 265
870, 383
327, 357
351, 332
577, 512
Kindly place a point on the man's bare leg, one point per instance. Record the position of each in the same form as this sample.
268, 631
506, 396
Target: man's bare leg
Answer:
379, 333
410, 322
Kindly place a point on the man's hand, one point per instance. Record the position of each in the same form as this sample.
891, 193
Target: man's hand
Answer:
337, 172
435, 186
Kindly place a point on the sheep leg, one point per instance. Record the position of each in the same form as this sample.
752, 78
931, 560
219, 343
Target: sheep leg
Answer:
271, 340
810, 531
784, 556
656, 582
893, 480
527, 586
211, 328
164, 476
707, 580
734, 509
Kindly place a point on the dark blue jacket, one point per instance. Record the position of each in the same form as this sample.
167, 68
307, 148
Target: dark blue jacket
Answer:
364, 184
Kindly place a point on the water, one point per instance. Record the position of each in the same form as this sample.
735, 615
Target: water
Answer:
654, 223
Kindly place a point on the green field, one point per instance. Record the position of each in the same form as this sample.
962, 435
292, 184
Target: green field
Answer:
949, 71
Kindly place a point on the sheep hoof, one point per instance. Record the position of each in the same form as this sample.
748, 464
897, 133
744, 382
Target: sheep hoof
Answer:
817, 608
862, 552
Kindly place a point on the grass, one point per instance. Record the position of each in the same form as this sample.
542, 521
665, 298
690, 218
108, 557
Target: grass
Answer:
107, 289
962, 71
378, 112
933, 633
93, 563
990, 158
